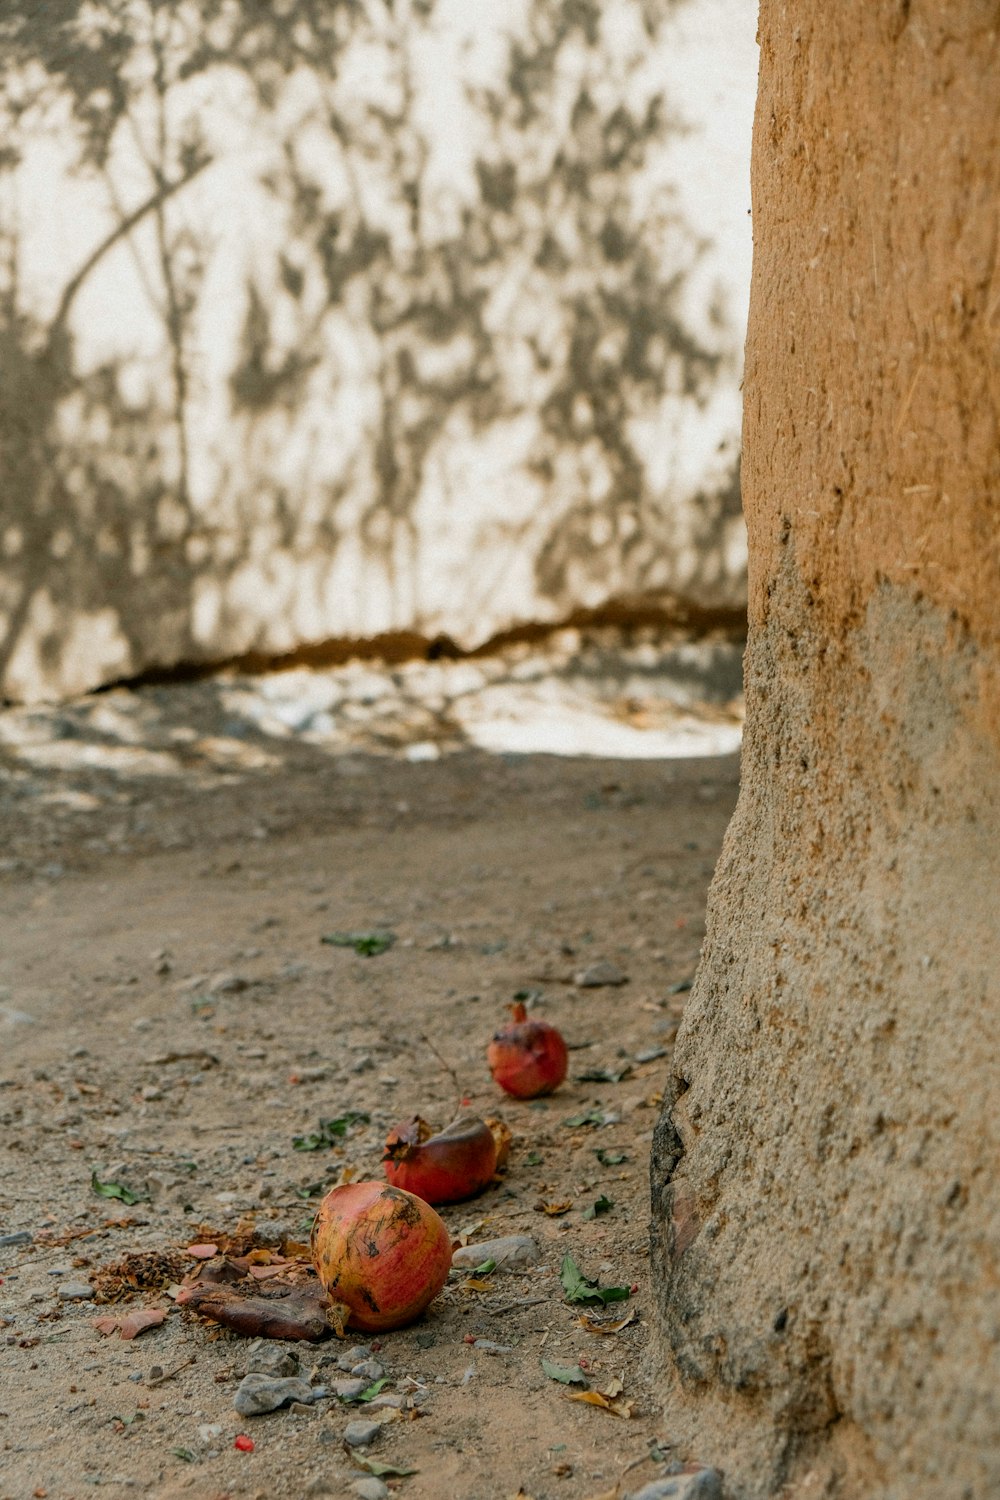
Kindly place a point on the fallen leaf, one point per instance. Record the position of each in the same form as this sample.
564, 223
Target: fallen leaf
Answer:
473, 1284
601, 1205
606, 1328
330, 1131
202, 1252
114, 1190
139, 1321
367, 944
555, 1210
579, 1288
106, 1325
595, 1398
594, 1116
371, 1391
609, 1158
566, 1375
604, 1075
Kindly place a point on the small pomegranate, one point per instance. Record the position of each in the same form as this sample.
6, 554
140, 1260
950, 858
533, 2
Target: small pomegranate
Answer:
527, 1058
456, 1163
381, 1253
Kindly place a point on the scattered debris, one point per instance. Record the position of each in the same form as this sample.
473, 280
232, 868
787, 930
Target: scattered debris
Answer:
579, 1288
510, 1252
367, 944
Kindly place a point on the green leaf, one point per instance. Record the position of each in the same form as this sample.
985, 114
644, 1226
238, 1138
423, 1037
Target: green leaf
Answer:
368, 944
330, 1131
115, 1190
564, 1375
185, 1454
533, 1159
579, 1288
372, 1466
601, 1206
594, 1116
609, 1158
371, 1391
485, 1269
604, 1075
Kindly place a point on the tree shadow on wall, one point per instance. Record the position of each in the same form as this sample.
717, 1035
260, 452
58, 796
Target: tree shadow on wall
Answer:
541, 297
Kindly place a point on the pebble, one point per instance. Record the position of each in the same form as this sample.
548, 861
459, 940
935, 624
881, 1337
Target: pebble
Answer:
359, 1434
368, 1369
349, 1390
370, 1489
491, 1347
18, 1237
512, 1250
595, 976
261, 1393
650, 1054
75, 1291
705, 1484
275, 1362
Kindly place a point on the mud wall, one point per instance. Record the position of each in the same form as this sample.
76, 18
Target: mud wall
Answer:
335, 320
826, 1223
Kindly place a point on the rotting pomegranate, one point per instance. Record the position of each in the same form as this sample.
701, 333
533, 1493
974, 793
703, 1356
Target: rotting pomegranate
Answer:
527, 1058
456, 1163
381, 1253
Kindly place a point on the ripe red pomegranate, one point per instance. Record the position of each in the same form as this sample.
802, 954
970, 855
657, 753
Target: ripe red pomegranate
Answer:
456, 1163
527, 1058
381, 1253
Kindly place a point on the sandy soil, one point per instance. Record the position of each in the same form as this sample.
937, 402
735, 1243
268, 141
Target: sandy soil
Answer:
170, 1019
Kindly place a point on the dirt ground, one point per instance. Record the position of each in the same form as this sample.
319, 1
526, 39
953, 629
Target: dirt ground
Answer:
170, 1020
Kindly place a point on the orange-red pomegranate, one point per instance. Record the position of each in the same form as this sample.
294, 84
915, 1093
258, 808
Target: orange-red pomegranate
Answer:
381, 1253
445, 1168
527, 1058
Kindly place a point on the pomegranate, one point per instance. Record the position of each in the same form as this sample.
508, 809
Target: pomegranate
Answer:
381, 1253
527, 1058
456, 1163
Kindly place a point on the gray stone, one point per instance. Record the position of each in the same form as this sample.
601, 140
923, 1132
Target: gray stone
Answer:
351, 1357
18, 1237
512, 1250
360, 1433
370, 1489
272, 1360
595, 976
75, 1291
261, 1393
704, 1484
368, 1369
349, 1390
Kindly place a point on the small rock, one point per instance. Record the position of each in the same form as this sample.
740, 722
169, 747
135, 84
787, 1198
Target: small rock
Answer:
595, 976
228, 984
650, 1054
359, 1434
352, 1357
489, 1346
75, 1291
349, 1390
368, 1369
387, 1403
209, 1431
371, 1489
261, 1393
511, 1250
703, 1484
18, 1237
278, 1363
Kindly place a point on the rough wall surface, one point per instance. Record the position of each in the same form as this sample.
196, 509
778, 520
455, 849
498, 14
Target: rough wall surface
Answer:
826, 1217
377, 315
